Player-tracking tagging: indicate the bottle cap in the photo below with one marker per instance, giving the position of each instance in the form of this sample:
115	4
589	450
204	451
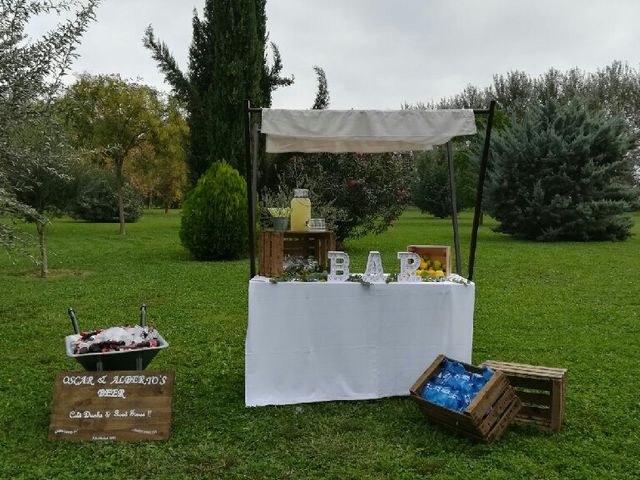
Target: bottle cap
300	192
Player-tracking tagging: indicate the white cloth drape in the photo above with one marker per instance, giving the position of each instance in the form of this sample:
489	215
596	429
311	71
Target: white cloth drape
311	342
366	131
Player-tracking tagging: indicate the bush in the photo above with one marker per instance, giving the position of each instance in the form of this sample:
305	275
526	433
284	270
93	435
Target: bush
96	198
430	187
562	173
356	193
214	215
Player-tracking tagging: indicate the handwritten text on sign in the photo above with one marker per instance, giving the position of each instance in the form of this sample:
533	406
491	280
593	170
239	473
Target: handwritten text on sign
122	405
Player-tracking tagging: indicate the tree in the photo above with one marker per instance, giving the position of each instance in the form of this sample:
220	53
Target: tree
430	187
357	193
159	170
562	173
44	185
227	67
322	96
112	117
614	89
95	197
214	218
31	72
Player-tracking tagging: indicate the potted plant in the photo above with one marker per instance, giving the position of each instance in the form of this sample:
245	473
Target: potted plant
277	205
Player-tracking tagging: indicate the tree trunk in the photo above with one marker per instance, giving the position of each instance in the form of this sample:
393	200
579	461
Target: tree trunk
44	266
119	182
166	209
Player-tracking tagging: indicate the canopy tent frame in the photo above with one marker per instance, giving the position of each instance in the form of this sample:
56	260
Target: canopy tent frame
252	143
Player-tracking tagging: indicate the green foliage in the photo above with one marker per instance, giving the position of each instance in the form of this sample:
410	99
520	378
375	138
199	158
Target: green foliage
214	215
114	119
614	89
111	115
430	187
31	74
227	67
158	168
239	57
356	193
561	173
322	95
45	184
96	198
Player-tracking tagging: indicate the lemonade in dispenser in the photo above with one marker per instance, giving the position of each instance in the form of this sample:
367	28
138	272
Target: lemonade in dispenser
300	210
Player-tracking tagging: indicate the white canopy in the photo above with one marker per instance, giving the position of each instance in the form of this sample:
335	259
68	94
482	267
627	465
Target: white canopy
367	131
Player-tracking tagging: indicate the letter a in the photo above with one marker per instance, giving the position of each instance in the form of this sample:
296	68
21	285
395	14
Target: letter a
374	272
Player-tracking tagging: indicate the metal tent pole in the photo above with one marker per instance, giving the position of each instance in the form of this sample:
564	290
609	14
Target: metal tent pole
484	160
255	158
454	209
250	192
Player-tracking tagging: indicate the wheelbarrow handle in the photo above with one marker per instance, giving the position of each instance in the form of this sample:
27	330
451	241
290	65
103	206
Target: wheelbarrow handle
143	314
74	320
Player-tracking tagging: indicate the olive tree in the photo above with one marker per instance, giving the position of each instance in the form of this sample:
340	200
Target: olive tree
31	73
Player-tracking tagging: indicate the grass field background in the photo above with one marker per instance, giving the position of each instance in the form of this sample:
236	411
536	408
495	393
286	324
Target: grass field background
572	305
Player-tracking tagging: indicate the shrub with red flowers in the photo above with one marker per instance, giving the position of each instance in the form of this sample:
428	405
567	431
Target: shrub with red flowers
356	193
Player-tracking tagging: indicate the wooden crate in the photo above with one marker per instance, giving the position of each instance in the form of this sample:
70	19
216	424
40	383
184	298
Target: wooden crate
274	246
542	391
487	416
442	253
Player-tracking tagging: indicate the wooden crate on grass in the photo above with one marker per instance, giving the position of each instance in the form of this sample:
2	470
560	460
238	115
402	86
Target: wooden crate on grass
442	253
542	391
487	416
274	246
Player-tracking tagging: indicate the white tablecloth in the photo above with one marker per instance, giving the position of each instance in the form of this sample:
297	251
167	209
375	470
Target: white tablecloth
310	342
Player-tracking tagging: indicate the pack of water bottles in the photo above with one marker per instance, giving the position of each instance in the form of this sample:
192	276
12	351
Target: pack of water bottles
454	387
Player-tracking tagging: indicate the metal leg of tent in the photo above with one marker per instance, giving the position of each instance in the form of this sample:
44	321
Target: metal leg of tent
252	177
454	210
250	193
484	160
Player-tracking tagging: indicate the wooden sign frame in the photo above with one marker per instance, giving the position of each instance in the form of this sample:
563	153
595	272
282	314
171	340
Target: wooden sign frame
118	405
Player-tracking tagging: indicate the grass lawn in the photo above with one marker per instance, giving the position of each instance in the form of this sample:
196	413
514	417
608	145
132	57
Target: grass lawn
569	305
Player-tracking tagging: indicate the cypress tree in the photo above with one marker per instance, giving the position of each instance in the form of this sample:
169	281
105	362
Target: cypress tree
322	95
227	67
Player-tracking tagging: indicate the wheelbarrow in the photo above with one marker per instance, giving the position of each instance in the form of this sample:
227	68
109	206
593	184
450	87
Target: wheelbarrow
137	359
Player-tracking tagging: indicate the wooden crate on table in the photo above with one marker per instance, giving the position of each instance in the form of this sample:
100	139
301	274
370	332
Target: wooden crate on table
274	246
542	391
487	416
442	253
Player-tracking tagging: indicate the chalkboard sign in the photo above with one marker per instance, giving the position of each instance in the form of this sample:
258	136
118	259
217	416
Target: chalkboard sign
117	405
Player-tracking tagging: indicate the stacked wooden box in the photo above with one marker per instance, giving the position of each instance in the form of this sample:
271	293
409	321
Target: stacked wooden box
487	416
441	253
274	246
542	391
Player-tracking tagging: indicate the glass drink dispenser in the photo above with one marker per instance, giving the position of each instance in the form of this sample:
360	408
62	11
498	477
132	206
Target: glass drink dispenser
300	210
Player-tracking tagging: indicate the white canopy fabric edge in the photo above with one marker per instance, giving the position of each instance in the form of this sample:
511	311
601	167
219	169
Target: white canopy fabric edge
366	131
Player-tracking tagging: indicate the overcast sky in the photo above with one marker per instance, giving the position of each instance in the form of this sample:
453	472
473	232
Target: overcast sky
381	53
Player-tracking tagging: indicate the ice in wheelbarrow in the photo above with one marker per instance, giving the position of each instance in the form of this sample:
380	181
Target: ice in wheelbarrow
115	339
